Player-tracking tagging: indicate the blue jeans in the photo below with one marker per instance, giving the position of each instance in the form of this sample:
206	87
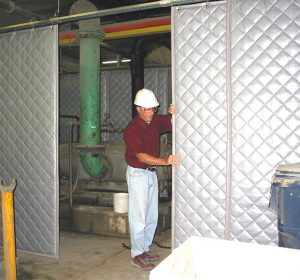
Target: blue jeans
142	209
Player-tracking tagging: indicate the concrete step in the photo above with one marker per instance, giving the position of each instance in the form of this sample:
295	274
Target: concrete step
103	220
99	220
88	197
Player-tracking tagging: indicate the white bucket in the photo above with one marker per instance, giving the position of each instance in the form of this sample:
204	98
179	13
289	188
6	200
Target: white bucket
120	201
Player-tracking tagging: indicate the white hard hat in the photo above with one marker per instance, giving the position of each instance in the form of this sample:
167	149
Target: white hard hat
146	98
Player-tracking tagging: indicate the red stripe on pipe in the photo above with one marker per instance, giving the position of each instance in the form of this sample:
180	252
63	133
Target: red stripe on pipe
136	25
130	26
68	35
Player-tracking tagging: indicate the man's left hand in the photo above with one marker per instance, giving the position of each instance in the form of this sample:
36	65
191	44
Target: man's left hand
172	109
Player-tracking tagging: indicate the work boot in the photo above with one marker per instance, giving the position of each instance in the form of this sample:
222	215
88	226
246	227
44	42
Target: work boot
151	257
141	262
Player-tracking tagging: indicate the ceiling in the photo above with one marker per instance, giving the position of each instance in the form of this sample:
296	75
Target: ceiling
157	47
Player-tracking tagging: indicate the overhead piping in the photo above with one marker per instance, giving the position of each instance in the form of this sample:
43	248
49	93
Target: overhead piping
136	24
115	31
122	27
138	32
97	14
124	34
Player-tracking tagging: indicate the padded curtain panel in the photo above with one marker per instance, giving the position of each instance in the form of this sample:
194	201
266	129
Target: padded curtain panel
29	134
263	129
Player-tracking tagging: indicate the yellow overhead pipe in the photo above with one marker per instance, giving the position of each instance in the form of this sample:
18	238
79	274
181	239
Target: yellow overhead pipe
124	34
8	230
138	32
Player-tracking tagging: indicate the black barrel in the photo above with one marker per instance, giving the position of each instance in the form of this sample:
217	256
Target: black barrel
286	190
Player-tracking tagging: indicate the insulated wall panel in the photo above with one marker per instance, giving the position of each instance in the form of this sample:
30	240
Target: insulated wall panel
265	109
69	105
157	79
118	97
29	134
258	78
200	127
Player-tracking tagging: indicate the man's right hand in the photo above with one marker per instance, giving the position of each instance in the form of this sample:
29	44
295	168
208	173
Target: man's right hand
173	160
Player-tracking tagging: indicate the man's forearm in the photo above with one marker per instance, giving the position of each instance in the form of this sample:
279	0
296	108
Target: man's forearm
151	160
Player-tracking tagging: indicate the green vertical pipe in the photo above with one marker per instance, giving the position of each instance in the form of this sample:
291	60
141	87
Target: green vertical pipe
90	100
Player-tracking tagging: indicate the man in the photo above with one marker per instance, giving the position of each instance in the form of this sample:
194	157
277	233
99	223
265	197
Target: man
142	140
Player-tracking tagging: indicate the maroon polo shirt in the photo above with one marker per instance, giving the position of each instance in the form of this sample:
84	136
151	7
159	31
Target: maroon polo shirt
140	137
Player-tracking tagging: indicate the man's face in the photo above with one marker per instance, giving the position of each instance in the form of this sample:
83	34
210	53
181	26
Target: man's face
146	114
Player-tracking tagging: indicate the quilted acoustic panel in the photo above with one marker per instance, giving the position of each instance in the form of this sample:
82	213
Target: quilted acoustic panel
266	117
69	105
118	89
200	127
265	97
29	134
157	79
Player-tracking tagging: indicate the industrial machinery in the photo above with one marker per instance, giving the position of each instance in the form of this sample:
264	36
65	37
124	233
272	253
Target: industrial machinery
114	177
86	202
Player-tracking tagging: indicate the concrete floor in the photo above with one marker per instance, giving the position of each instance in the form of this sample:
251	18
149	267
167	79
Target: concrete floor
88	257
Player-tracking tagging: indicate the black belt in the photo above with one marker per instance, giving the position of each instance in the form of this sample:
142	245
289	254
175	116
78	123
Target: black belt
152	169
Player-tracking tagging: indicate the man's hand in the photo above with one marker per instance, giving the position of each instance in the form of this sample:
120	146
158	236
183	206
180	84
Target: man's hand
173	160
172	109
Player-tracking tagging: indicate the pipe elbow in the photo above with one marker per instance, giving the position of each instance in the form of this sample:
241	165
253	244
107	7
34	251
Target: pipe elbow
93	164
